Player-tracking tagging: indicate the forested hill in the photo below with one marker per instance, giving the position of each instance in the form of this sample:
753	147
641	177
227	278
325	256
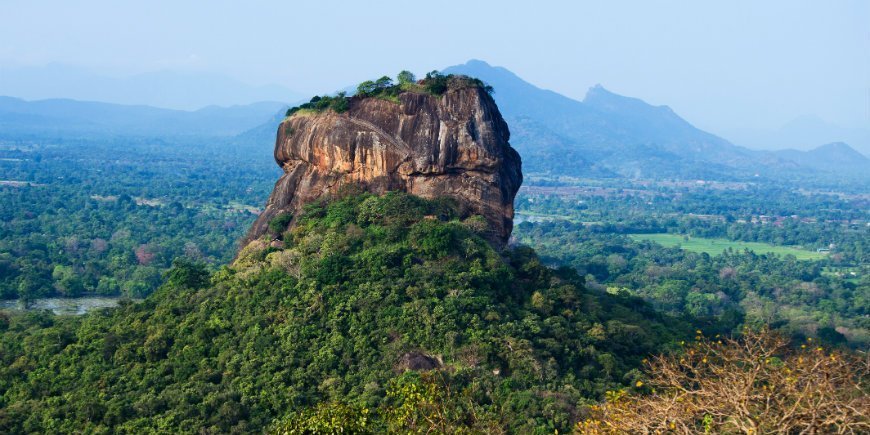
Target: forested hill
373	306
362	290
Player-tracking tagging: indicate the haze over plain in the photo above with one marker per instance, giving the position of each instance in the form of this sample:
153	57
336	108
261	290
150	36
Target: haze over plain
743	70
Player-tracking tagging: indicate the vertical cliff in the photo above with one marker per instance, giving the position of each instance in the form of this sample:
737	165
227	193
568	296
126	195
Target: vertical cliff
453	145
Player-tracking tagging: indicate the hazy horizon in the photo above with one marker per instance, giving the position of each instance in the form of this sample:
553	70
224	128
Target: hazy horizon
728	68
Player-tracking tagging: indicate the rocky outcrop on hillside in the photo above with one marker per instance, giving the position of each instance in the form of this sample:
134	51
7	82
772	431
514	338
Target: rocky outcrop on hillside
451	145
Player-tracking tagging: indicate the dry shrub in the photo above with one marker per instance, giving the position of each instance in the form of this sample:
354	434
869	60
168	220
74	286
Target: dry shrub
757	384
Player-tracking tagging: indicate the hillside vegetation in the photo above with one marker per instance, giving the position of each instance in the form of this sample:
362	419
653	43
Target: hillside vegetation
339	314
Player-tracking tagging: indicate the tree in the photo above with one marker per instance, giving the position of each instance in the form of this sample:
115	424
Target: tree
755	384
67	281
406	77
433	238
278	224
327	418
366	88
426	403
436	83
188	274
383	83
144	254
340	103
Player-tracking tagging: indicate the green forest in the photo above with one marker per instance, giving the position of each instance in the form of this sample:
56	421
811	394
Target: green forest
363	287
108	216
617	306
386	288
605	236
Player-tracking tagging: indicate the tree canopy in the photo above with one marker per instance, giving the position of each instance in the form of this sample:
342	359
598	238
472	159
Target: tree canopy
368	294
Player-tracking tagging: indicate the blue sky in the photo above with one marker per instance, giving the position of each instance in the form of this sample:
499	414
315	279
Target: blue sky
727	64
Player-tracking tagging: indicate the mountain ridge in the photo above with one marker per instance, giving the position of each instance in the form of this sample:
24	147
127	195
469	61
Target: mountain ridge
611	135
606	135
162	88
802	133
607	139
63	116
834	156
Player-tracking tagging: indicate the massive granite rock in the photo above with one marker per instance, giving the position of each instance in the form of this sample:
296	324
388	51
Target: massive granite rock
453	145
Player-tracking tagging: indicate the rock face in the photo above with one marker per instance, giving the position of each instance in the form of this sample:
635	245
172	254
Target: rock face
453	145
417	361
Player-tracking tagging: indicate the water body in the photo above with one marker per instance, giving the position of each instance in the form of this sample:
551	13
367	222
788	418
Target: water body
62	306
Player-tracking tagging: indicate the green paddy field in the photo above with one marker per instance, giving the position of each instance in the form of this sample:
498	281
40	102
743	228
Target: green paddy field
717	246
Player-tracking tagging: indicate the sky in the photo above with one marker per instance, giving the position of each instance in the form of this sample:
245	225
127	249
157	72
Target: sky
721	64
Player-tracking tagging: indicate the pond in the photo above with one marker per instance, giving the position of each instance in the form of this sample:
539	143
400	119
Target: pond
66	306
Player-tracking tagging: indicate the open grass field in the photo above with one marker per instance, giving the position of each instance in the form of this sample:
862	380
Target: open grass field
717	246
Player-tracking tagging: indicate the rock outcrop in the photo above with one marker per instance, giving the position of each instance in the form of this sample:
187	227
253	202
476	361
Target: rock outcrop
453	145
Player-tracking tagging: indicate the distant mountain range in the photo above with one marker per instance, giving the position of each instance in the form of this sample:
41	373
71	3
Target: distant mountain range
612	135
59	117
605	135
166	89
802	133
836	156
